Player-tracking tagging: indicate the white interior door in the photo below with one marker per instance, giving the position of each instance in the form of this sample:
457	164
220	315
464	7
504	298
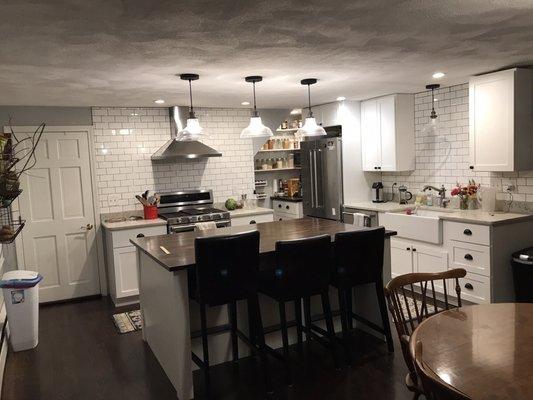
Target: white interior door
58	240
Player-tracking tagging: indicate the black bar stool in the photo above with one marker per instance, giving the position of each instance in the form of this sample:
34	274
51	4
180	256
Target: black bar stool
226	271
302	270
358	260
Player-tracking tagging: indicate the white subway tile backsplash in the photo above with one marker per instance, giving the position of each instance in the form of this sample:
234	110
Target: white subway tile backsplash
124	168
443	157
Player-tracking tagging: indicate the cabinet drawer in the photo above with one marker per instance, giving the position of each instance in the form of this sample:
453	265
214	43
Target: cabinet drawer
122	238
469	233
283	216
251	219
475	288
287	207
472	257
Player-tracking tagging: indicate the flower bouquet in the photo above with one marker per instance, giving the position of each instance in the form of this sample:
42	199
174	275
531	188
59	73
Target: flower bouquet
467	194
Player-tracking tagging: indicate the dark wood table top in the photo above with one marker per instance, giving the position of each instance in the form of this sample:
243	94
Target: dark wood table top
181	245
485	351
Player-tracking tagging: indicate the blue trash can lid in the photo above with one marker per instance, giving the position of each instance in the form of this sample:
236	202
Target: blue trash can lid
20	279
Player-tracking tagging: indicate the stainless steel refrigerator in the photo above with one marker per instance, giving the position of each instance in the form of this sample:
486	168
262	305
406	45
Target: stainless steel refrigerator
321	162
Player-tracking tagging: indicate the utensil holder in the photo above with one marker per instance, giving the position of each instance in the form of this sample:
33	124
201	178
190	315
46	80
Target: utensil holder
150	212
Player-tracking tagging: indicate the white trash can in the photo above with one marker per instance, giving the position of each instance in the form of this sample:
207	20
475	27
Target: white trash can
21	295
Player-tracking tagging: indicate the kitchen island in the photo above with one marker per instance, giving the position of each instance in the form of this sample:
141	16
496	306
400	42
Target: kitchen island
164	298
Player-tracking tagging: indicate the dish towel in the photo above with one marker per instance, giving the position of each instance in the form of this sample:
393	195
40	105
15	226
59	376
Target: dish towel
203	226
359	219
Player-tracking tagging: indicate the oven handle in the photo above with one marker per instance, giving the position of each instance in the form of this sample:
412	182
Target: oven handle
189	228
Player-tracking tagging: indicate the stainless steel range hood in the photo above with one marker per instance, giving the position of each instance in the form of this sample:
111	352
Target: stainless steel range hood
182	150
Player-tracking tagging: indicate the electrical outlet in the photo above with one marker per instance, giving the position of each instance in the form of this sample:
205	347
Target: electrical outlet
509	188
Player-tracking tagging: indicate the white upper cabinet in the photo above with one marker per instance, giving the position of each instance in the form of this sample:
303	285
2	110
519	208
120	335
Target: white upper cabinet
501	121
388	133
325	114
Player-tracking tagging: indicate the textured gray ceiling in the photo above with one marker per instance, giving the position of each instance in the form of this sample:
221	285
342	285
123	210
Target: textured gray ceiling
109	52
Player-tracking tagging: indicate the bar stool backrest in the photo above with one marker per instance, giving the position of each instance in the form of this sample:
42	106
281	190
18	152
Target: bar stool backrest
226	267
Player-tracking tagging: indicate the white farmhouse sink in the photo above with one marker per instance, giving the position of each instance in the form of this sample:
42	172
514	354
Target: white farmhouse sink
425	225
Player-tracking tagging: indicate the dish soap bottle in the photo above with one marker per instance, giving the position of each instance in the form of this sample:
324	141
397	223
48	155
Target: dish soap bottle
429	198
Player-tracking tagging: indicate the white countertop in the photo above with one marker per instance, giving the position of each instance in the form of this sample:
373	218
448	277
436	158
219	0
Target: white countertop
246	212
115	226
470	216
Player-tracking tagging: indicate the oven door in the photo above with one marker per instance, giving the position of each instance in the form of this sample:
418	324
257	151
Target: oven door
190	227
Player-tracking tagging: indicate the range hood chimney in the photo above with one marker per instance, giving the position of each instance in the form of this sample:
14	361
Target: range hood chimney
175	150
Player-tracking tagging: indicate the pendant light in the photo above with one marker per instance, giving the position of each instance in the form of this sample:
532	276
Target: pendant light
193	130
310	127
256	128
433	125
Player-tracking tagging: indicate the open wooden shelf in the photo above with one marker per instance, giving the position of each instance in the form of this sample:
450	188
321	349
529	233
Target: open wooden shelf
278	169
274	150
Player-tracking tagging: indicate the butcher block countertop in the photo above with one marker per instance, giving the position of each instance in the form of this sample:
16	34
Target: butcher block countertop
181	245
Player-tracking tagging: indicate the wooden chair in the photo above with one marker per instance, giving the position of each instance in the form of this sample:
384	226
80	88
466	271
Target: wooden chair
434	387
419	289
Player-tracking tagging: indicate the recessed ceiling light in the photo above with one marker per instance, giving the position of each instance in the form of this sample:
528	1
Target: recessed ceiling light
296	111
341	98
435	99
438	75
134	114
245	103
159	101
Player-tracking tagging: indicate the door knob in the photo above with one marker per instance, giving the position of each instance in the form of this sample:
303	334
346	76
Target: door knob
88	227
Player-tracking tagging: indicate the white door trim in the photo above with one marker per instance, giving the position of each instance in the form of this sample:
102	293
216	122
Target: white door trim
92	162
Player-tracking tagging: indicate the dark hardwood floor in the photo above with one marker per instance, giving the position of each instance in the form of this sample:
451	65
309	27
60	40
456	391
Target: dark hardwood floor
81	356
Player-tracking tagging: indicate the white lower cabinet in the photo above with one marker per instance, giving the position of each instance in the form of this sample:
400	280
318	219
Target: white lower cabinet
121	258
411	256
284	210
251	219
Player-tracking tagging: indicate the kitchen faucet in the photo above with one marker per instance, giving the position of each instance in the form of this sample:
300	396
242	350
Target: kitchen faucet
442	202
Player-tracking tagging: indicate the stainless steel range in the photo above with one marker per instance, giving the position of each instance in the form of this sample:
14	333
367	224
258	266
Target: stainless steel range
183	209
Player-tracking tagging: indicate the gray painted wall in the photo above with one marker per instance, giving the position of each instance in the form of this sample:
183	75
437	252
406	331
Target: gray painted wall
22	115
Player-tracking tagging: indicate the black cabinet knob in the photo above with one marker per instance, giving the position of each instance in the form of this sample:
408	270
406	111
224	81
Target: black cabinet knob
469	286
281	219
467	232
375	167
287	207
140	235
279	205
252	222
471	167
469	257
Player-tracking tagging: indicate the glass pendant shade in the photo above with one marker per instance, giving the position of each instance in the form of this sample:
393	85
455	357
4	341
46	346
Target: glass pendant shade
310	128
256	129
192	131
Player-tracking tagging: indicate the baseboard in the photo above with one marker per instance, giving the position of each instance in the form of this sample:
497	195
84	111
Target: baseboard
3	344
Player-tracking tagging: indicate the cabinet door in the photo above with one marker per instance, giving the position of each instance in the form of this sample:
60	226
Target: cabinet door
126	278
330	114
251	219
401	257
429	259
491	121
370	135
387	125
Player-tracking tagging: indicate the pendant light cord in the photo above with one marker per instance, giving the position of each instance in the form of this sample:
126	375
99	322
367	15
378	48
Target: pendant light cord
309	100
255	113
191	111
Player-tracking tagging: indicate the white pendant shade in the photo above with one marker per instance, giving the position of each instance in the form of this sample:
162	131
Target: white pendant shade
256	129
310	128
192	131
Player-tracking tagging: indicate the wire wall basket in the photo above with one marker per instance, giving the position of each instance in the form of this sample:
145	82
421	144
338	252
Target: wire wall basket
9	227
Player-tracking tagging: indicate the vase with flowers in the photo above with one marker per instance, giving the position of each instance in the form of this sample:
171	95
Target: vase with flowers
467	194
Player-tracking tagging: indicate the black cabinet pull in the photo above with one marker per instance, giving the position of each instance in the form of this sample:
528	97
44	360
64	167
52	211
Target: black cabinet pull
140	235
253	222
375	167
287	207
471	167
469	286
279	205
467	232
281	219
408	248
469	257
414	249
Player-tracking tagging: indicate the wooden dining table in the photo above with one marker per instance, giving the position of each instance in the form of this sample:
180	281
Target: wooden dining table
485	351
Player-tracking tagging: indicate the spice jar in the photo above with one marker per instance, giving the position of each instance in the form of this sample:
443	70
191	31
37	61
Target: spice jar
286	143
290	162
270	144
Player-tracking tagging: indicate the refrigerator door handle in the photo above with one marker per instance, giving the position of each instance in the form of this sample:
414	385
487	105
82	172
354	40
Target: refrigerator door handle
315	183
311	178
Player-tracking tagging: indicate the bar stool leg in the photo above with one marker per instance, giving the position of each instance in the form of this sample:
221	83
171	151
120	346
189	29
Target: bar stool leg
344	324
205	345
298	318
384	315
326	307
307	317
285	339
256	323
232	313
349	307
